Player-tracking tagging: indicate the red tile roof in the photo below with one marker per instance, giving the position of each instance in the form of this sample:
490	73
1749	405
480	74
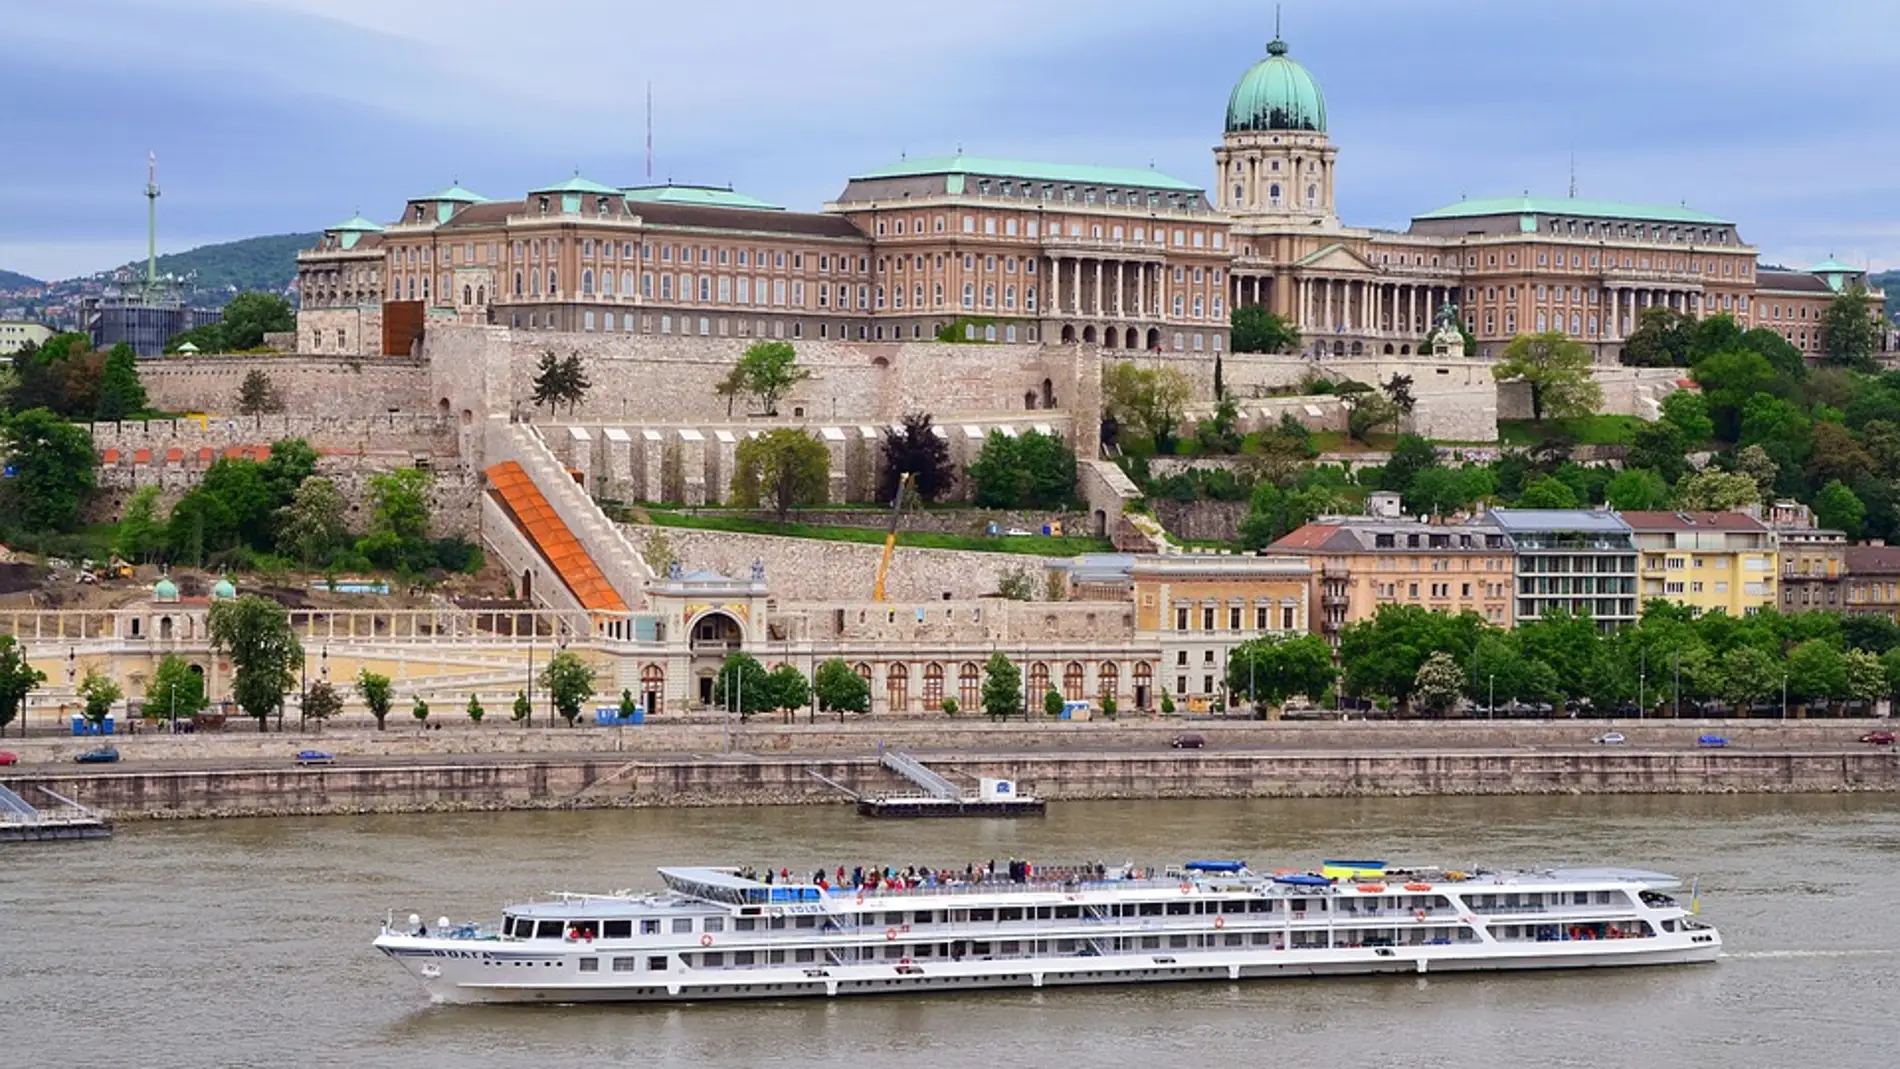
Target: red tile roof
1692	521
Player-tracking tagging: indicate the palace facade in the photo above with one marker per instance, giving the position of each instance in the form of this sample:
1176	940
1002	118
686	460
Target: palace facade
1006	250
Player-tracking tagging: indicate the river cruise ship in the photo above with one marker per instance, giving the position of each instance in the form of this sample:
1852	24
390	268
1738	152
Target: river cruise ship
719	933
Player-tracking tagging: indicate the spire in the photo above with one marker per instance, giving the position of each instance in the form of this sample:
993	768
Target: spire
1276	47
1573	175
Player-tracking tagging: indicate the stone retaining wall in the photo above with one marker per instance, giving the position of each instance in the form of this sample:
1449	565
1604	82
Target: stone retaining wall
308	385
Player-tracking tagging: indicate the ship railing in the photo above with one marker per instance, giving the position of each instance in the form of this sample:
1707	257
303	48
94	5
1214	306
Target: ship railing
991	887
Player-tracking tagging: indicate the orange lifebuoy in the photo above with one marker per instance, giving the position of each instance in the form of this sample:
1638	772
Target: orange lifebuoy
1418	886
890	933
860	898
1419	914
705	940
1187	888
1220	922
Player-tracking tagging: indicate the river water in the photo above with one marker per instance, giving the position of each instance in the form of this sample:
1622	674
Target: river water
246	943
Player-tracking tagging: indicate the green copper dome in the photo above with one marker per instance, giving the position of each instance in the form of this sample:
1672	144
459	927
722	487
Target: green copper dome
1277	94
165	589
224	591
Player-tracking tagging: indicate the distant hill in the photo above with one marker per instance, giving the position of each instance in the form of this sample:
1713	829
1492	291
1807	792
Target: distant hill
1888	282
264	263
11	280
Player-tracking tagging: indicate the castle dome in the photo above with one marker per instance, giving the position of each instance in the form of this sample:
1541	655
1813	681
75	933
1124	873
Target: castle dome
225	590
1276	94
164	589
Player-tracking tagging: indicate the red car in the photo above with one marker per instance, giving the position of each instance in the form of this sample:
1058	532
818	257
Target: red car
8	757
1878	738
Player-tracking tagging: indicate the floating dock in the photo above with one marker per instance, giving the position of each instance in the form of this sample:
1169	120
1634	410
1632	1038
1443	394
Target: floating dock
942	798
22	822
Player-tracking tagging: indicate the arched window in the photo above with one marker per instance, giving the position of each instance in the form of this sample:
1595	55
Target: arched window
517	283
607	283
554	287
481	295
587	281
534	283
467	295
1038	684
1109	676
653	687
1072	681
897	687
970	686
1273	194
933	686
1312	195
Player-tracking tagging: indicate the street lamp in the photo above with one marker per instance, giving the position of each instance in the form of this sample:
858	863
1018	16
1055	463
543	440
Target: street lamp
1491	699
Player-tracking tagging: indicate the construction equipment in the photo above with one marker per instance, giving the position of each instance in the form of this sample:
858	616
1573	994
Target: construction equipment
890	540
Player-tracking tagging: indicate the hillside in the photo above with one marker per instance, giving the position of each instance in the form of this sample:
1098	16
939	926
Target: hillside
263	263
11	280
1888	282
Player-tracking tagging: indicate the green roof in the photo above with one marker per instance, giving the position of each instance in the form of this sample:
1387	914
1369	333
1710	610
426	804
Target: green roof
356	224
1276	94
701	196
1649	213
990	167
1831	266
577	184
454	193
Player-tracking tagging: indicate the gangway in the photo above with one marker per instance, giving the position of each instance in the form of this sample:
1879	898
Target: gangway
917	772
942	798
20	821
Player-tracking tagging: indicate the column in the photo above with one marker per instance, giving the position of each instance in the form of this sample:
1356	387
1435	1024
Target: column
1075	287
1100	310
1141	290
1121	289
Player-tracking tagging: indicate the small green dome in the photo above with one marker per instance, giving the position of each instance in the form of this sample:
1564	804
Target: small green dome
224	591
165	589
1277	94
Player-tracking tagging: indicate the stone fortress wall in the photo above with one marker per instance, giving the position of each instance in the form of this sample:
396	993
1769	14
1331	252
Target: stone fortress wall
335	387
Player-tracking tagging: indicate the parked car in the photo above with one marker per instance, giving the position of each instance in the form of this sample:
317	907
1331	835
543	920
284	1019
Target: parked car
1711	740
104	755
8	757
1875	738
1187	741
1613	738
315	757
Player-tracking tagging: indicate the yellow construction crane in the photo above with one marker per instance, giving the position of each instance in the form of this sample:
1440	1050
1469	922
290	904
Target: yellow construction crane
890	540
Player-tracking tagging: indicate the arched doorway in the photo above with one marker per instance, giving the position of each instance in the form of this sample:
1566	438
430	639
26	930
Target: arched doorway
1154	339
897	687
1048	394
1388	348
1088	335
527	586
1072	677
711	638
1029	400
1109	678
970	687
1068	335
652	689
1111	338
933	687
1038	684
1101	523
1144	685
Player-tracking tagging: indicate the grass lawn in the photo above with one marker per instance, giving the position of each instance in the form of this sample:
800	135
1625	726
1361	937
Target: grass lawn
1337	442
1588	430
1035	545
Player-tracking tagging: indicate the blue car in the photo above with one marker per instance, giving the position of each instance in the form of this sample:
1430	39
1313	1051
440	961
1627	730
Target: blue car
1711	740
104	755
315	757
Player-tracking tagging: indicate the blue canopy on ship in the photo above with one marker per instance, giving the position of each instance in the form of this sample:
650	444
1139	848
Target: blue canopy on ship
1216	866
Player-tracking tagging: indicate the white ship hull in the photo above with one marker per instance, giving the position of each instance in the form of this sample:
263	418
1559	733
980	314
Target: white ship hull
464	980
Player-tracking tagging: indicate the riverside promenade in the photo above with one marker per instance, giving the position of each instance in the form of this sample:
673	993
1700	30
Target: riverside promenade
491	767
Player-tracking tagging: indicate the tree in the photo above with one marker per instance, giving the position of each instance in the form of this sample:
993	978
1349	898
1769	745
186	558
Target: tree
1815	672
1220	435
420	710
1728	380
1382	655
786	688
200	524
742	684
291	461
1747	675
1016	583
1109	708
255	632
1556	369
1438	683
17	679
1754	462
560	380
97	692
257	394
1835	456
785	467
120	391
569	682
251	315
1663	338
522	711
1850	333
175	690
950	706
399	520
1716	491
1875	634
52	463
1398	390
1147	400
1273	512
1864	680
140	535
1689	410
1267	671
1548	492
918	450
311	527
1411	454
1437	491
1637	490
322	703
1836	507
1002	688
1661	448
841	690
378	693
1052	703
1366	412
1033	471
767	372
1253	329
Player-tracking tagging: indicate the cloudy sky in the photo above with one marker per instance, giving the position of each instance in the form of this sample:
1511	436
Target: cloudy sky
277	115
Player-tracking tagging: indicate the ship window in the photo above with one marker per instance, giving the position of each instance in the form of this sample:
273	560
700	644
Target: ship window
1151	909
1151	942
548	930
617	929
1042	913
1177	942
990	915
649	927
1178	909
1009	914
893	918
1068	912
682	925
742	957
922	916
626	964
804	957
1259	905
656	963
804	921
590	964
745	924
714	958
713	924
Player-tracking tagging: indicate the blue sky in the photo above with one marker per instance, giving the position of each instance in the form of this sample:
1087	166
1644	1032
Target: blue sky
279	115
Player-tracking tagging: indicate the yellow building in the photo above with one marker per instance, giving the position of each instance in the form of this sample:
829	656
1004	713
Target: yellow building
1709	560
1199	607
16	333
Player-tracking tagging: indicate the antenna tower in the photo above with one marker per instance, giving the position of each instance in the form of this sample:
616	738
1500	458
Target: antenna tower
151	226
649	131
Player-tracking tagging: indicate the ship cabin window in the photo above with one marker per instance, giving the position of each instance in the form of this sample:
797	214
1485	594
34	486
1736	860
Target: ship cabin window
713	924
924	916
982	915
649	927
742	957
656	963
714	959
616	929
1009	914
1178	909
549	930
508	925
590	964
626	964
744	924
805	921
893	918
775	923
805	956
1042	913
682	925
1068	913
1259	905
1151	909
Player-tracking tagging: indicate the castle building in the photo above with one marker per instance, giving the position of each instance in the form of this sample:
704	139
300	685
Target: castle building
1007	250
